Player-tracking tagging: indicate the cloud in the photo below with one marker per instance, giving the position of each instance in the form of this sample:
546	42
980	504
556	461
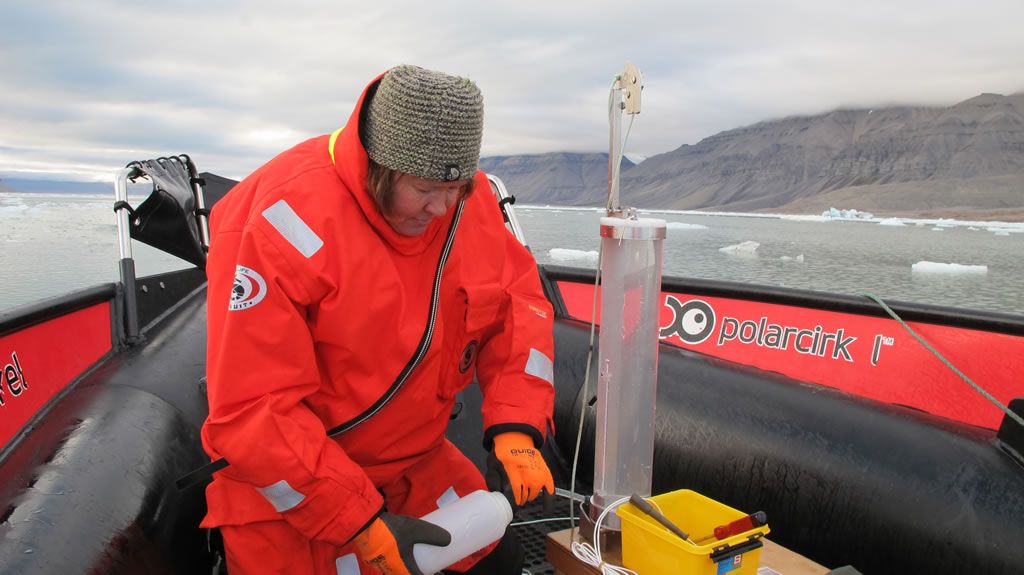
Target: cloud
233	83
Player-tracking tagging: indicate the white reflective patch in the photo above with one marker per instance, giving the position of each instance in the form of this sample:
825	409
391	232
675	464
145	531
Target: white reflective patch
540	366
449	496
347	564
290	225
248	289
281	496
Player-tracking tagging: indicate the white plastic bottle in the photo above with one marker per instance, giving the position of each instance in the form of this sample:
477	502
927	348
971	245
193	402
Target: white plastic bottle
475	521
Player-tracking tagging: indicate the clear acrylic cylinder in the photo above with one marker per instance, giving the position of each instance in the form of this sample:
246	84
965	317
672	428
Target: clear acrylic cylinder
627	359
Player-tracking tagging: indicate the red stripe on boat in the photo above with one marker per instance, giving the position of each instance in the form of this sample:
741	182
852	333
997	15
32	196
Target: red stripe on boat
867	356
39	361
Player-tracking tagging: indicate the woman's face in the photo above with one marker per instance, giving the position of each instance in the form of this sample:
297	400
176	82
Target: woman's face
415	202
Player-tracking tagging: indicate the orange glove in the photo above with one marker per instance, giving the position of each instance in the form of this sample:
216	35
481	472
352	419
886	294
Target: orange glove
387	542
516	464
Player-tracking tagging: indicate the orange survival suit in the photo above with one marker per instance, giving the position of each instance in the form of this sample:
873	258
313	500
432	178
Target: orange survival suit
315	306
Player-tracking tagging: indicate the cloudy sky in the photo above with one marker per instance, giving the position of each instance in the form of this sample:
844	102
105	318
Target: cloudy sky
89	85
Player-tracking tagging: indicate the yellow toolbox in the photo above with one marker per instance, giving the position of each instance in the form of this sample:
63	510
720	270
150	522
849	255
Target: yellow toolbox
650	549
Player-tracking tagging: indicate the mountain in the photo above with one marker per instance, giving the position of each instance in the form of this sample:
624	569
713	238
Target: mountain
560	178
55	186
969	156
966	158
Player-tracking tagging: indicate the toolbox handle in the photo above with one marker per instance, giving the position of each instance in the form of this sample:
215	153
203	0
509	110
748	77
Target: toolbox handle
753	542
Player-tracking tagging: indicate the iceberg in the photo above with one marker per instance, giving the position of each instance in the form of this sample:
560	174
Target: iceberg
13	210
1005	230
747	248
891	222
684	226
943	268
799	258
850	214
566	255
804	218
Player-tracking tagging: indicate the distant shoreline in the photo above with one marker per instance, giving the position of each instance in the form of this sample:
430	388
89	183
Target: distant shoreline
1012	215
962	216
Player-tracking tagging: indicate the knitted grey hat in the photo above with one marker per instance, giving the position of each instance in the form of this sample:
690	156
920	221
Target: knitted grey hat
426	123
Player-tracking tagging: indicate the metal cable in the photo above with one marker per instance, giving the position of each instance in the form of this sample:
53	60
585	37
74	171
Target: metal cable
945	361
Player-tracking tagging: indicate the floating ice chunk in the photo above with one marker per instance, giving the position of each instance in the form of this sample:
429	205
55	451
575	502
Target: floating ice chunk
938	229
972	228
684	226
799	258
747	248
14	210
1005	230
566	255
804	218
941	268
850	214
891	222
1002	233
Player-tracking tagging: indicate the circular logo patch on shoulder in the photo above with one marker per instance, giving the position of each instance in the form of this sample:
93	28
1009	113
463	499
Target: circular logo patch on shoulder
248	290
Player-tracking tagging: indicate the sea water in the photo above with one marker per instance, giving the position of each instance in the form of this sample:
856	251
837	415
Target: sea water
51	244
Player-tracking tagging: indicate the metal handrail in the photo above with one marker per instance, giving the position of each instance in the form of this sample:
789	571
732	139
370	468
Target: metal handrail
197	191
505	201
124	211
126	264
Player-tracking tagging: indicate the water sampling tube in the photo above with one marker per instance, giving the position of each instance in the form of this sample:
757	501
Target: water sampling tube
627	359
631	249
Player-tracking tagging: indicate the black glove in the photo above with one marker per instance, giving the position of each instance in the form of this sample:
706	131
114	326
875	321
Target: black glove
387	542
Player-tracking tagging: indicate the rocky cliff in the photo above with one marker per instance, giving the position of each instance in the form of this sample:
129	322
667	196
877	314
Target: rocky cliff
560	178
964	158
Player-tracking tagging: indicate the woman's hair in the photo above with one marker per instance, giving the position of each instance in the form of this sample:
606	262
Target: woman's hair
380	179
378	182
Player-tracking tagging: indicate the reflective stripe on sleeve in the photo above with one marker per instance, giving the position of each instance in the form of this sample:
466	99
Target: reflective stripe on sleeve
290	225
281	496
449	496
347	564
539	365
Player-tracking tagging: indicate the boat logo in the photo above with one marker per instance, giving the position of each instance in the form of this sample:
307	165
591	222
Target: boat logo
693	321
468	355
248	290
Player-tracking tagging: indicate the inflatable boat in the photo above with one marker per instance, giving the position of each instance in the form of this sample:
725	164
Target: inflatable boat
846	419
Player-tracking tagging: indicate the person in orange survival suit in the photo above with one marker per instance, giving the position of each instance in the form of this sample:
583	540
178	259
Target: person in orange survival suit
357	281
